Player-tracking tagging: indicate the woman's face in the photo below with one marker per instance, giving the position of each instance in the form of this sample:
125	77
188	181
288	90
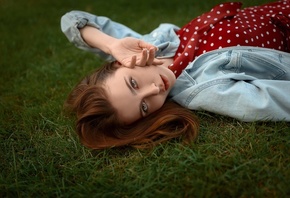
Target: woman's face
137	92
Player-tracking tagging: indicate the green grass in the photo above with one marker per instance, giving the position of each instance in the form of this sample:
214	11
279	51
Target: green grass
40	155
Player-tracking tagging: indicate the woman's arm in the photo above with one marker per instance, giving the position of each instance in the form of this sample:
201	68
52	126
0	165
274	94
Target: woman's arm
128	51
107	38
247	83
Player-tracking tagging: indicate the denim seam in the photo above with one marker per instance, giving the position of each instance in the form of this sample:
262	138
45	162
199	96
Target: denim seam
203	87
267	62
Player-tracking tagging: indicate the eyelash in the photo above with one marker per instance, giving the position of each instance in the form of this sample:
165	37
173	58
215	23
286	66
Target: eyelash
144	107
134	84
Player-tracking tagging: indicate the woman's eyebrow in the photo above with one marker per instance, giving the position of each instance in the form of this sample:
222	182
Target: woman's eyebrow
133	91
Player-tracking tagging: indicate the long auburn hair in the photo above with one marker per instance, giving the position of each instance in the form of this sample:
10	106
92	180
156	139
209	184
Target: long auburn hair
98	126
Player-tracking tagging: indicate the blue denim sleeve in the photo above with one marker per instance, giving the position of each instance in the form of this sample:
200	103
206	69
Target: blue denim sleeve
163	37
72	21
247	83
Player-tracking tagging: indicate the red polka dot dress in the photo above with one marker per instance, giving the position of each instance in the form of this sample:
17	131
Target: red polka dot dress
227	25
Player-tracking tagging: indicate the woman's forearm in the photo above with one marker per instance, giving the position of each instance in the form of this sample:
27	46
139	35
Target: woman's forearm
97	39
128	51
112	41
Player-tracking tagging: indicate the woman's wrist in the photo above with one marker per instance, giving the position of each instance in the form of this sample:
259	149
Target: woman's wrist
97	39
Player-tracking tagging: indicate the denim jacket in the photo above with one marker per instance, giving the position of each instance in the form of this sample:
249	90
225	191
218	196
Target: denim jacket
246	83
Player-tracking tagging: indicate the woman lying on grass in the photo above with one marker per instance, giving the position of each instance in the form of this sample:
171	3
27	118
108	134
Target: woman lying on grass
144	95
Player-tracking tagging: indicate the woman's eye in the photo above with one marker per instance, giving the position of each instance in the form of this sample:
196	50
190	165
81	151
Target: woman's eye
134	83
144	107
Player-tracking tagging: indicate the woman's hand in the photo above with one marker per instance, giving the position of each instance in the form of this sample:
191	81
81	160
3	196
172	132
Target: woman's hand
132	52
128	51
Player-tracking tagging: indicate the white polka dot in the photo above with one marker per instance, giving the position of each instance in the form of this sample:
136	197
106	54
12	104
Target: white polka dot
220	38
185	54
212	44
185	38
189	46
228	41
237	35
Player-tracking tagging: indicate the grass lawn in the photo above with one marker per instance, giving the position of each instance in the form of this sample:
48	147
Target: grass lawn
40	155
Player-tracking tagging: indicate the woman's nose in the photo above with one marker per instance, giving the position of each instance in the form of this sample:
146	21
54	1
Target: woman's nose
150	90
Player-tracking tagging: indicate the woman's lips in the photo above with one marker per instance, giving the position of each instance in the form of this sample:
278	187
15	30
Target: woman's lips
165	82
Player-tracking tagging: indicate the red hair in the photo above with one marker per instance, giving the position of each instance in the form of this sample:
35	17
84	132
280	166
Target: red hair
98	126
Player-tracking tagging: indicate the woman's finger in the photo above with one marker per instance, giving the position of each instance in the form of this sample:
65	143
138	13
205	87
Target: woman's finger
133	62
144	57
151	56
157	62
147	46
